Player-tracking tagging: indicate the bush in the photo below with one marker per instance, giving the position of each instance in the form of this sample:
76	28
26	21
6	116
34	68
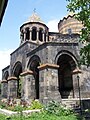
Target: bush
56	108
35	104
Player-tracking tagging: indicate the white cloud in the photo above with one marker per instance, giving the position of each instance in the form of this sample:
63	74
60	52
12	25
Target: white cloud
4	60
53	25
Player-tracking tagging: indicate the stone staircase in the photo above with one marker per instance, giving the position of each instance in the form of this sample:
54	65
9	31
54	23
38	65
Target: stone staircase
72	104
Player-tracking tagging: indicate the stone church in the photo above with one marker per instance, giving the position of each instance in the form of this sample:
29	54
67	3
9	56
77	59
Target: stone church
45	65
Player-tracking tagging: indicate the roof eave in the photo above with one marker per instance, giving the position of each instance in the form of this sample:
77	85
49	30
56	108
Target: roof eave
2	9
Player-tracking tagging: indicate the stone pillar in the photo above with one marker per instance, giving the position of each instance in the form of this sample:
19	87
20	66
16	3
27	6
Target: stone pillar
28	85
24	35
43	37
48	77
46	37
4	88
12	87
37	35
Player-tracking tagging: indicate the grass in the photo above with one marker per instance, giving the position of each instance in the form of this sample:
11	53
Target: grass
40	116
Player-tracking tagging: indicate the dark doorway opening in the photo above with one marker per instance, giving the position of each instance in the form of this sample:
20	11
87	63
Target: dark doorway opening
17	72
34	34
65	79
34	67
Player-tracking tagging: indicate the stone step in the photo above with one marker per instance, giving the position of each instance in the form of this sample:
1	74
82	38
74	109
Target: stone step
70	103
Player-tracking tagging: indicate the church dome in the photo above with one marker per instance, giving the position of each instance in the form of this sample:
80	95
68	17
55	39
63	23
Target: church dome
34	18
34	30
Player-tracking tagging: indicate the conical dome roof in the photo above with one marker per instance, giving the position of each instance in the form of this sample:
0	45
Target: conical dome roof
34	18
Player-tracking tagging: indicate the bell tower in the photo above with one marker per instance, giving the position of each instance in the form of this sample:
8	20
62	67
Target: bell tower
34	30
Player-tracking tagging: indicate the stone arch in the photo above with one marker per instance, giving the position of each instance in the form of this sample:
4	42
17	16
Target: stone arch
6	75
34	33
67	53
67	63
33	64
41	34
17	70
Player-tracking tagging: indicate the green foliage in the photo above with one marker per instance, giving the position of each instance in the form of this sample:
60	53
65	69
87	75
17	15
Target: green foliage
18	108
41	116
35	104
3	105
82	9
8	118
52	111
56	108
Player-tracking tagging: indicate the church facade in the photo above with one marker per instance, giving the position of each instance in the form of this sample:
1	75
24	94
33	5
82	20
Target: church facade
45	65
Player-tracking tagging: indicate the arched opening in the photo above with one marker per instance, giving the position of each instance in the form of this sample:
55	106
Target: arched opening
34	63
40	35
6	75
34	33
27	34
65	79
17	70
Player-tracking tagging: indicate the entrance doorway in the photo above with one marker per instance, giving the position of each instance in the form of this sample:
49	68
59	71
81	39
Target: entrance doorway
34	63
65	79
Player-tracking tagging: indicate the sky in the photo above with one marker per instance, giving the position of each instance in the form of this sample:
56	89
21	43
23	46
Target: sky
17	12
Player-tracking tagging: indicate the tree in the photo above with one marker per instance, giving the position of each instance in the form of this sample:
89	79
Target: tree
82	10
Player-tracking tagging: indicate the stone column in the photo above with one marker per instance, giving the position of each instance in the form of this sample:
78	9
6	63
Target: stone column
28	85
37	39
4	88
46	37
12	87
48	77
24	35
43	36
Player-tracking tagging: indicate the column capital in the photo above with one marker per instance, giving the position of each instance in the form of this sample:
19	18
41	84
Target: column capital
4	81
43	31
24	31
47	65
27	72
30	30
11	78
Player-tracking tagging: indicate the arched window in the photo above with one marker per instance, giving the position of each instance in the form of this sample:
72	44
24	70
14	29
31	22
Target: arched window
34	33
27	34
40	34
